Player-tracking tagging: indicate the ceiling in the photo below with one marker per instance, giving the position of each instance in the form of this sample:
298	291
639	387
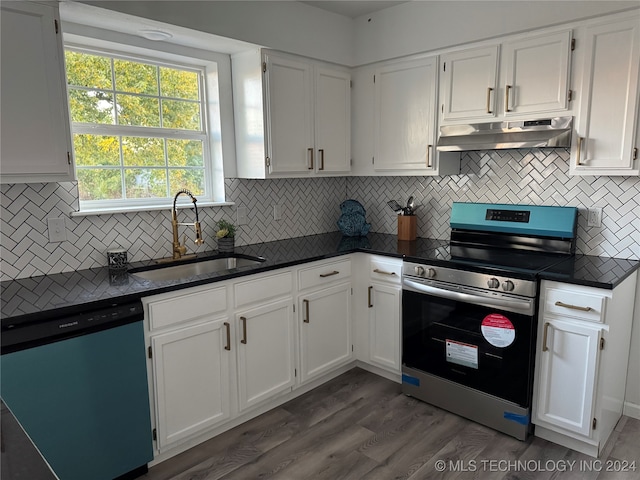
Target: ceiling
354	8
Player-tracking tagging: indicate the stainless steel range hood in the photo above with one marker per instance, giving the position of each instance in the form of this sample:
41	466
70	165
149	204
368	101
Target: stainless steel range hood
543	133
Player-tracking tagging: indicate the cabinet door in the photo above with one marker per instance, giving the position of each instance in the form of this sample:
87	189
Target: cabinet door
265	351
567	375
469	88
536	74
36	139
404	129
384	326
604	140
192	380
289	104
325	330
332	121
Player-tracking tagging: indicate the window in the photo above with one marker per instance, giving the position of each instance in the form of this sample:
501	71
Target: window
139	129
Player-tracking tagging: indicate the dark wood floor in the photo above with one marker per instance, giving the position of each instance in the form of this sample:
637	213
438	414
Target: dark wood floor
360	426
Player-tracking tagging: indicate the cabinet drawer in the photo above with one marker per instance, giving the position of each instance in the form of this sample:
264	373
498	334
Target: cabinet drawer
263	288
323	274
580	305
183	308
385	271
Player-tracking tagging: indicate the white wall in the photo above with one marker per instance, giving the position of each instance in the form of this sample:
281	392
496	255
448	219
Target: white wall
282	25
422	26
408	28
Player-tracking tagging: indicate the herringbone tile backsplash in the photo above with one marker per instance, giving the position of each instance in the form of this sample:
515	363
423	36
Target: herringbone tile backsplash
311	206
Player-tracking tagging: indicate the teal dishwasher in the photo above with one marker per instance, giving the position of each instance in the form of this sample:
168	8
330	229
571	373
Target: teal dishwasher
78	386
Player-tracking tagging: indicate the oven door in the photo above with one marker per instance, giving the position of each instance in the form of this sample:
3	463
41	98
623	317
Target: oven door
483	340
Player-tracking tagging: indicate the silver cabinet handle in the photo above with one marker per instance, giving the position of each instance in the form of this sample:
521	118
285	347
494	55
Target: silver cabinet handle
306	310
382	272
310	150
228	327
544	337
506	98
321	152
578	151
370	304
573	307
325	275
489	90
244	330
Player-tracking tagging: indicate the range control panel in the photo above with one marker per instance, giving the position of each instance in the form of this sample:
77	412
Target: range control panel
508	215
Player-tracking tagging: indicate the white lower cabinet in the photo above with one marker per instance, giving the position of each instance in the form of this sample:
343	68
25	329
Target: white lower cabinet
324	317
191	373
325	332
190	362
581	363
568	374
383	302
265	352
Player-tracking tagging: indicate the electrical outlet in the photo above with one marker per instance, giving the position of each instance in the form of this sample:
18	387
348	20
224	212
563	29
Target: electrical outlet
594	218
57	230
241	215
277	212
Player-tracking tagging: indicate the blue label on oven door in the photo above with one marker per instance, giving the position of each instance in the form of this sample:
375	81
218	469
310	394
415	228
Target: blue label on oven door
518	418
409	380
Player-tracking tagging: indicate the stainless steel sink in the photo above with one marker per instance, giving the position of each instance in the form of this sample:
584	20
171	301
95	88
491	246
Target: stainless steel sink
186	270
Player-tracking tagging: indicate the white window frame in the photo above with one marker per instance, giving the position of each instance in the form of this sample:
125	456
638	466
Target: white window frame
218	113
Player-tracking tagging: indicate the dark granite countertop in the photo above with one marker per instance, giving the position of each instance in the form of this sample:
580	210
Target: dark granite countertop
38	298
591	271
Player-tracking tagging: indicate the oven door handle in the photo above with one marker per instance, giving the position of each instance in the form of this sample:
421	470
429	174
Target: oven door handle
466	297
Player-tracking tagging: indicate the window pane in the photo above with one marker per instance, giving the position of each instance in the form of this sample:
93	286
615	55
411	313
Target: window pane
96	150
136	77
86	70
183	115
91	106
191	179
145	182
178	83
184	153
143	152
99	184
140	111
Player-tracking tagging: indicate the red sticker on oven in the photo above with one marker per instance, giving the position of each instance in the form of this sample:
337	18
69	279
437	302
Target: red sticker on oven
498	330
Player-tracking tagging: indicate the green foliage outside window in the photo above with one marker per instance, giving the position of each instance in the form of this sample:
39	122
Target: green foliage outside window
161	109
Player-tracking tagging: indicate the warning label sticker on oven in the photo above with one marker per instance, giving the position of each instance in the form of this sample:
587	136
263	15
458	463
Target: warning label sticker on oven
462	353
498	330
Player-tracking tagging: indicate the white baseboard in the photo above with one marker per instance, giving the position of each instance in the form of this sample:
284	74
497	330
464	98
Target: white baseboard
631	410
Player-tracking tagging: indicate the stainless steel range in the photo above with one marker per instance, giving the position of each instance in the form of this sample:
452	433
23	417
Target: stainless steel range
469	318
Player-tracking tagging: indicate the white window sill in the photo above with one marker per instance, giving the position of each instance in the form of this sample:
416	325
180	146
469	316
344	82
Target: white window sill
142	208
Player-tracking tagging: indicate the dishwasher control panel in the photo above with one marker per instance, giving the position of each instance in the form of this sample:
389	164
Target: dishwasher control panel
22	334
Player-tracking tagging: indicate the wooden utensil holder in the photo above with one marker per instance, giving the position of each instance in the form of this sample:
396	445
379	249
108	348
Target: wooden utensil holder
407	227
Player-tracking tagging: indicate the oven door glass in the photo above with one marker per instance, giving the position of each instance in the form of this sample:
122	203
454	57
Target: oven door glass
481	347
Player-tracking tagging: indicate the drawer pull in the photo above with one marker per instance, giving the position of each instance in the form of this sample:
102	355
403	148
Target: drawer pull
489	90
244	330
228	327
382	272
544	337
306	311
573	307
370	304
325	275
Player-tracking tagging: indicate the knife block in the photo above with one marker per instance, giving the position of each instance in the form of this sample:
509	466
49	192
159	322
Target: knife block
407	227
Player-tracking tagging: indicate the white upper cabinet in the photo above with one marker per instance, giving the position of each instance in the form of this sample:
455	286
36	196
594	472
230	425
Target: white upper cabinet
469	84
395	120
606	140
521	77
535	74
292	116
36	138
